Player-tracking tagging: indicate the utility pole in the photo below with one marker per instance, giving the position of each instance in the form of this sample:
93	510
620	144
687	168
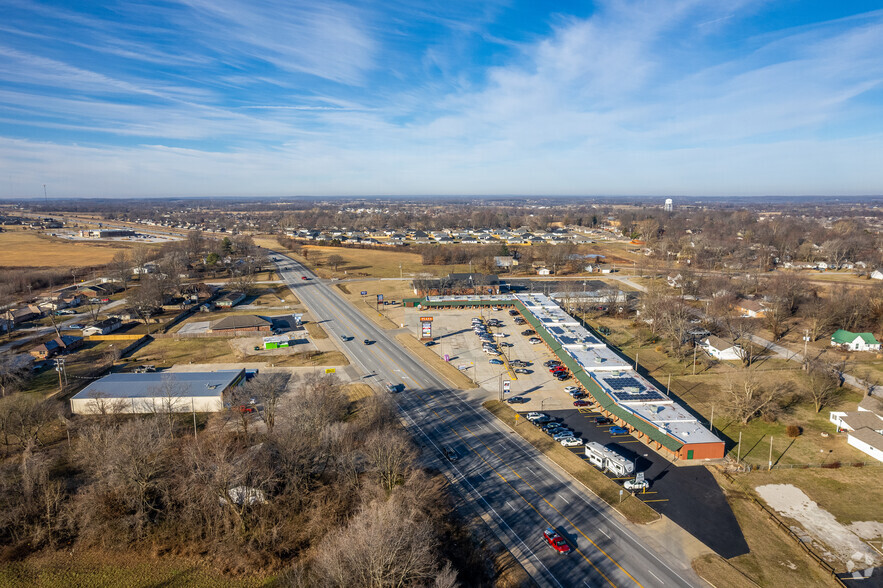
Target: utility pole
694	357
771	454
59	367
739	449
636	361
668	388
805	343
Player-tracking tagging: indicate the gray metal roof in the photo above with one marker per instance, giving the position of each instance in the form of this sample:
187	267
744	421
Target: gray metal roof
182	384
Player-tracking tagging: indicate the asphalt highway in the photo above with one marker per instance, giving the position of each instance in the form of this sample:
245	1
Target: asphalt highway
499	474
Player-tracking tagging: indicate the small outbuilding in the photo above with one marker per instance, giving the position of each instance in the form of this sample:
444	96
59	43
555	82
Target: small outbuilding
722	349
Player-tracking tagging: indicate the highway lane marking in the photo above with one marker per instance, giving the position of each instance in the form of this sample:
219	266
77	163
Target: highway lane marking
460	476
655	576
564	499
561	514
603	531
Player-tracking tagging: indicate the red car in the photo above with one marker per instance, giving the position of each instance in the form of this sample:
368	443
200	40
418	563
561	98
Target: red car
556	541
582	403
557	368
304	278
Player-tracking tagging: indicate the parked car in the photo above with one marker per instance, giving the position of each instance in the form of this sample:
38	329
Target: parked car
513	312
619	431
75	326
556	541
582	403
517	400
579	396
549	427
504	344
635	485
535	415
523	371
429	344
602	421
528	332
551	362
571	389
562	376
304	278
245	408
571	442
495	361
534	341
562	433
557	368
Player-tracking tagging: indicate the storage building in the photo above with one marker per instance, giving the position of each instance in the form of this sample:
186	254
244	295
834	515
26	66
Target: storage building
157	392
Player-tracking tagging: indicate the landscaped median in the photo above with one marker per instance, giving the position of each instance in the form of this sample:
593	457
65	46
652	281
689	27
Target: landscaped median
454	377
608	490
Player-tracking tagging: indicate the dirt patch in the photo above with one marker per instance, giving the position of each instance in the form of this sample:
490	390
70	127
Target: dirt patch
315	330
820	525
32	249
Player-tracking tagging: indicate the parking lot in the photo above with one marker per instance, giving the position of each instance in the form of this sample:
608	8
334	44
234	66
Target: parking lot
688	495
453	335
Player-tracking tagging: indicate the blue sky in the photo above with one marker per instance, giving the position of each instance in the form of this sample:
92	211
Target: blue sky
288	97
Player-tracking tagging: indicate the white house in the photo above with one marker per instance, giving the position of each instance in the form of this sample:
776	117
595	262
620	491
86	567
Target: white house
854	341
721	348
104	327
543	271
864	427
877	274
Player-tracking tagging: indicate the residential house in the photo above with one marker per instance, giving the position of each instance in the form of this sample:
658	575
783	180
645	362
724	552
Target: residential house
56	346
722	349
877	274
22	314
230	325
506	261
863	427
104	327
543	271
750	308
854	341
230	299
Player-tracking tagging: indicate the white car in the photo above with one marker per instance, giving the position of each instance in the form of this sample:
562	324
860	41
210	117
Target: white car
571	442
571	389
535	415
500	335
534	341
634	485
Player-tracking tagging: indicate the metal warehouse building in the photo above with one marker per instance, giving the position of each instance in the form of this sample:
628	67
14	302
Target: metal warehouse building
157	392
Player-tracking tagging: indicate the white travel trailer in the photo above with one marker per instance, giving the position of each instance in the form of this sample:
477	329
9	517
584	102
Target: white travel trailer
606	459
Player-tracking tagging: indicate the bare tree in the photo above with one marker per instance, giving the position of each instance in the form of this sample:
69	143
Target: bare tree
121	269
334	261
168	400
747	398
741	330
268	388
382	546
391	454
820	317
14	372
821	384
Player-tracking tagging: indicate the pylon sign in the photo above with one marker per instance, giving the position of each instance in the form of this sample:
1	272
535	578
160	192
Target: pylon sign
426	327
507	386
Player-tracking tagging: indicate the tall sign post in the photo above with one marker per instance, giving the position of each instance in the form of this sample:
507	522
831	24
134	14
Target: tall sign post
426	328
379	300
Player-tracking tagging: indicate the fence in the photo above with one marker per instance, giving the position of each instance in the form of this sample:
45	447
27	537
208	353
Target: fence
775	519
122	337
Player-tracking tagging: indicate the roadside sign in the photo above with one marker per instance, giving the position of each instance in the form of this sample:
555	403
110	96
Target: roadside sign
364	292
329	370
447	357
425	319
639	477
379	298
507	386
462	367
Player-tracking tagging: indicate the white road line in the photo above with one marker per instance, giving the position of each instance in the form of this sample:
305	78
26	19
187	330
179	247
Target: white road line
603	531
564	499
657	579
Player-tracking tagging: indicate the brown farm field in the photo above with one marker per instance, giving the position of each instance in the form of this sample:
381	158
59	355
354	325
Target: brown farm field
31	249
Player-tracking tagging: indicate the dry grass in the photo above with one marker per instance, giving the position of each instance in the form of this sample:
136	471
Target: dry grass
388	317
775	560
720	573
61	570
452	375
315	330
31	249
168	352
358	391
374	263
606	489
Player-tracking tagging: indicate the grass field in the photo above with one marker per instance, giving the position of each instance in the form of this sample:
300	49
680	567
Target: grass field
606	489
61	570
31	249
774	560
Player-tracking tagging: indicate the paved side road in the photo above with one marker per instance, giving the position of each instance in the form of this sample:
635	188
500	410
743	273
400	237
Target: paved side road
505	479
